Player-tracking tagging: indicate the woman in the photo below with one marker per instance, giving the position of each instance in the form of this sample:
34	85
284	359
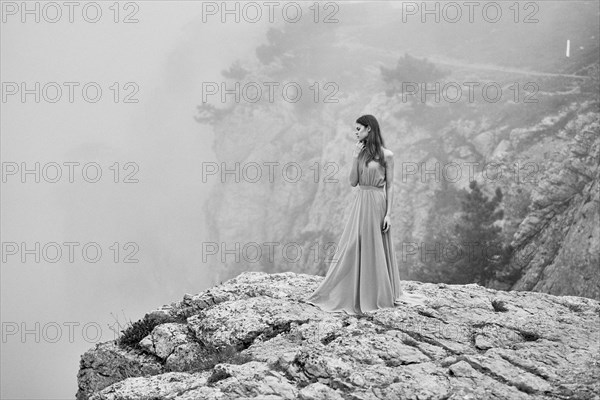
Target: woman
364	273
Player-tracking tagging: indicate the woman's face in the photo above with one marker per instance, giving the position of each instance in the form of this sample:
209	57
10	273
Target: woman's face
361	131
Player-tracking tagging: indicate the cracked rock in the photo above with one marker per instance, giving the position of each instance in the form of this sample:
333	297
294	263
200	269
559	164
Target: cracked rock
268	346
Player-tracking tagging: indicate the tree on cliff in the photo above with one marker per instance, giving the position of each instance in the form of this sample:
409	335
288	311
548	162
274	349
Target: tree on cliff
410	70
483	250
434	265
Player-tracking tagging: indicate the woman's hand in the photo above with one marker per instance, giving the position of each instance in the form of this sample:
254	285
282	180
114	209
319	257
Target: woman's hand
358	148
386	223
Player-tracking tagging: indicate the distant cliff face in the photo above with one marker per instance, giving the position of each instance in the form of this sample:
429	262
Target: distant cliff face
558	243
253	337
293	221
553	161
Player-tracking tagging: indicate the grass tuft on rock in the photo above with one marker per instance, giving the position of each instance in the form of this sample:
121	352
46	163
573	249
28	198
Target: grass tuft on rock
499	305
134	333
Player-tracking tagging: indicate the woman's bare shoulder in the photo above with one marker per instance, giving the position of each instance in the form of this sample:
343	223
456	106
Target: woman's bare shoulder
387	153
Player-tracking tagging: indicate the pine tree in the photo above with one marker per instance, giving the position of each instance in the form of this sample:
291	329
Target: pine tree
439	236
480	239
410	69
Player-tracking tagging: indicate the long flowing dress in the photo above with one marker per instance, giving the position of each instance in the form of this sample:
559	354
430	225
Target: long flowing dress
363	275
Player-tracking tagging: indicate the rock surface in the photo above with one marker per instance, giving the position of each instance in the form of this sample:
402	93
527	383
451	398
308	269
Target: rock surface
558	243
466	342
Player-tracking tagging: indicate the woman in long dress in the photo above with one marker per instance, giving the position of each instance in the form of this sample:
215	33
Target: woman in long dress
363	275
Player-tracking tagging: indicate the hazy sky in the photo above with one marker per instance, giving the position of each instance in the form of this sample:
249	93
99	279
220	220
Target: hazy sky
165	55
159	63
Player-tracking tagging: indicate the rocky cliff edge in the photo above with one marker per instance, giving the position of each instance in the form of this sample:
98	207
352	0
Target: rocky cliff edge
254	337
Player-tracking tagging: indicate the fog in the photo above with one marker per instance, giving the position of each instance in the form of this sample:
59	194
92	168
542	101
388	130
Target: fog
144	212
166	54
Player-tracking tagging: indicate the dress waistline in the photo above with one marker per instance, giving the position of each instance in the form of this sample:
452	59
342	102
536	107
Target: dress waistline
365	187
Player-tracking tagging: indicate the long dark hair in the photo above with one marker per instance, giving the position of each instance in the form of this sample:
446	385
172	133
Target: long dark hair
373	142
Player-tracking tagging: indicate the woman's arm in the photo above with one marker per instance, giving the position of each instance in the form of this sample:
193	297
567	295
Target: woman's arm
389	183
354	172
